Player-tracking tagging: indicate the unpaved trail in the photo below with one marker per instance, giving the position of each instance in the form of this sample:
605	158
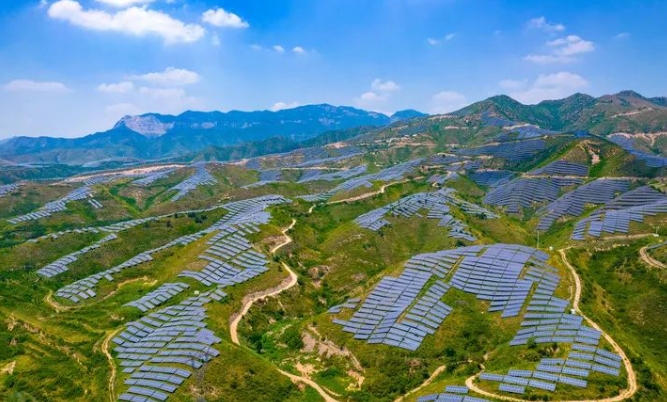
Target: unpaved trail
368	195
643	253
424	384
632	377
313	384
112	365
48	299
250	299
287	240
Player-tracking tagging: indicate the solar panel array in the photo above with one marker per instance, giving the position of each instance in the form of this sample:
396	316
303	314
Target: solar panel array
441	179
572	370
94	203
380	318
561	168
243	216
304	157
161	349
453	393
627	144
341	155
158	296
545	321
438	206
8	189
153	177
121	226
599	191
320	174
495	121
201	177
59	266
230	258
616	215
526	192
267	177
523	132
511	151
393	313
56	235
653	247
395	172
444	160
491	178
350	304
80	193
83	289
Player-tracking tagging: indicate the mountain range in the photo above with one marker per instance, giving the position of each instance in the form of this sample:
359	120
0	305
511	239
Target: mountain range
154	137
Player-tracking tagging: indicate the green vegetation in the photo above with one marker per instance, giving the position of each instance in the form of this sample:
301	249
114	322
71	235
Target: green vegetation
51	349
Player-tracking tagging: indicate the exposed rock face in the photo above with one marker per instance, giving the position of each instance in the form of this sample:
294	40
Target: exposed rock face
147	125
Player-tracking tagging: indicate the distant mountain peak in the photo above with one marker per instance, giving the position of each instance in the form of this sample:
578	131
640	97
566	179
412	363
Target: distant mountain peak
629	94
407	114
147	125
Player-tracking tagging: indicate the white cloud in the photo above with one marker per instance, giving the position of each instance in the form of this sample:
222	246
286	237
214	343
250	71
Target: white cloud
123	3
119	110
278	48
167	100
283	105
546	86
224	19
380	93
563	50
447	101
137	21
256	47
437	41
513	85
371	100
35	86
622	35
298	50
117	88
170	76
42	4
571	45
384	86
542	24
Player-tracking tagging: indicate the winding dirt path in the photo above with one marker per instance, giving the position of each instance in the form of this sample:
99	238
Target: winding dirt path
313	384
576	297
424	384
287	240
112	365
368	195
250	299
48	299
643	253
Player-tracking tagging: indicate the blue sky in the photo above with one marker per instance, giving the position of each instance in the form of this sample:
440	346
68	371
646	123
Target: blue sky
73	67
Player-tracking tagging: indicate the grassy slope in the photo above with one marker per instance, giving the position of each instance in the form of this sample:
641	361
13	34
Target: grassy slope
629	299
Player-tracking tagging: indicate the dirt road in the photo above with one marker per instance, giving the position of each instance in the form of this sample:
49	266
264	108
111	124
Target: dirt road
576	297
